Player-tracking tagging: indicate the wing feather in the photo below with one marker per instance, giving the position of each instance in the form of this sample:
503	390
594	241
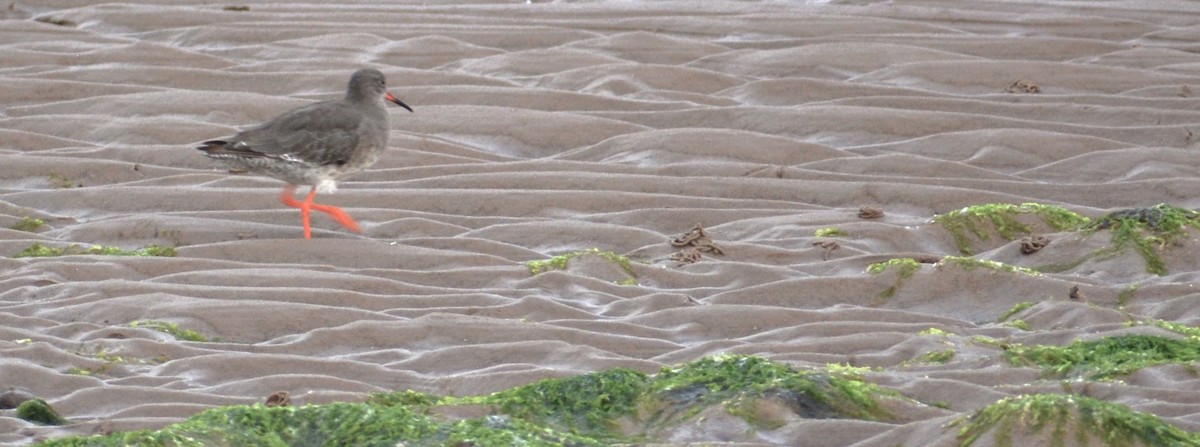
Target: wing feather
322	133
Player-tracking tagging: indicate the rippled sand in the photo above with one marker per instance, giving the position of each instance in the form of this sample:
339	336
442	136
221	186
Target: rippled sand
542	129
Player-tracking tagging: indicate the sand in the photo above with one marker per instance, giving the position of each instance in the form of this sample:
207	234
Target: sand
546	128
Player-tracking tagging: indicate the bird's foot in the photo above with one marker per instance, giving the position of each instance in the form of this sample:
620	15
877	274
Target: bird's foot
307	205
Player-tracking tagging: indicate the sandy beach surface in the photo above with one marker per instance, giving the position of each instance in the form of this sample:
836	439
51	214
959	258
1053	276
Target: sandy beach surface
547	129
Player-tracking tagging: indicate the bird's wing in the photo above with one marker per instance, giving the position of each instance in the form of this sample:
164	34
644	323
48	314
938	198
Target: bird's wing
321	133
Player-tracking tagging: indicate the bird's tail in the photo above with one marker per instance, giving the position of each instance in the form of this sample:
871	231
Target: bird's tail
219	149
213	147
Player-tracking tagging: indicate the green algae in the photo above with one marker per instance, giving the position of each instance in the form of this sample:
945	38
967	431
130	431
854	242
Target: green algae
587	403
1107	357
984	340
60	181
560	263
602	408
28	224
968	264
1127	294
717	378
335	424
597	404
1191	332
1017	308
499	430
1114	425
935	332
1146	231
846	371
407	398
936	357
905	268
110	360
39	412
1019	324
830	232
37	250
982	221
171	329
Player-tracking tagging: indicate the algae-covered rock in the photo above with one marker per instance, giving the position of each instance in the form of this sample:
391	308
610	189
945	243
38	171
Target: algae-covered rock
815	394
622	403
1106	357
1056	419
1006	221
1148	231
588	403
336	424
39	412
602	408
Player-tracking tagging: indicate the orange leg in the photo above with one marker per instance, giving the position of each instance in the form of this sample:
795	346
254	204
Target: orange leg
334	212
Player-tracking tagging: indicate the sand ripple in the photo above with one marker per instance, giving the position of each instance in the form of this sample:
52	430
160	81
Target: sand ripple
543	129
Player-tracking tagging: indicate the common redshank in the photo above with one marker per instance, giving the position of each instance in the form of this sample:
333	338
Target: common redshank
315	145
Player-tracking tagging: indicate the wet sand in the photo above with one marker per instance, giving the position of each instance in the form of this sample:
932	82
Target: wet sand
547	128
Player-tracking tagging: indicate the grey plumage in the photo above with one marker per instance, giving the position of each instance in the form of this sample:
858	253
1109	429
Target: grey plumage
316	144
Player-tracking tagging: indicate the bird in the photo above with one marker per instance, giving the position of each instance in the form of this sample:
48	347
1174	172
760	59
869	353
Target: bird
316	144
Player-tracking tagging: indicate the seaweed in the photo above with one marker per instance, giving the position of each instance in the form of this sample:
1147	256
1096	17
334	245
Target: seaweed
1017	308
57	180
905	268
339	423
967	263
110	361
1191	332
1106	357
1113	424
587	403
171	329
39	412
560	263
830	232
1001	218
1127	294
1147	231
934	332
807	393
1019	324
938	357
37	250
28	224
588	410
